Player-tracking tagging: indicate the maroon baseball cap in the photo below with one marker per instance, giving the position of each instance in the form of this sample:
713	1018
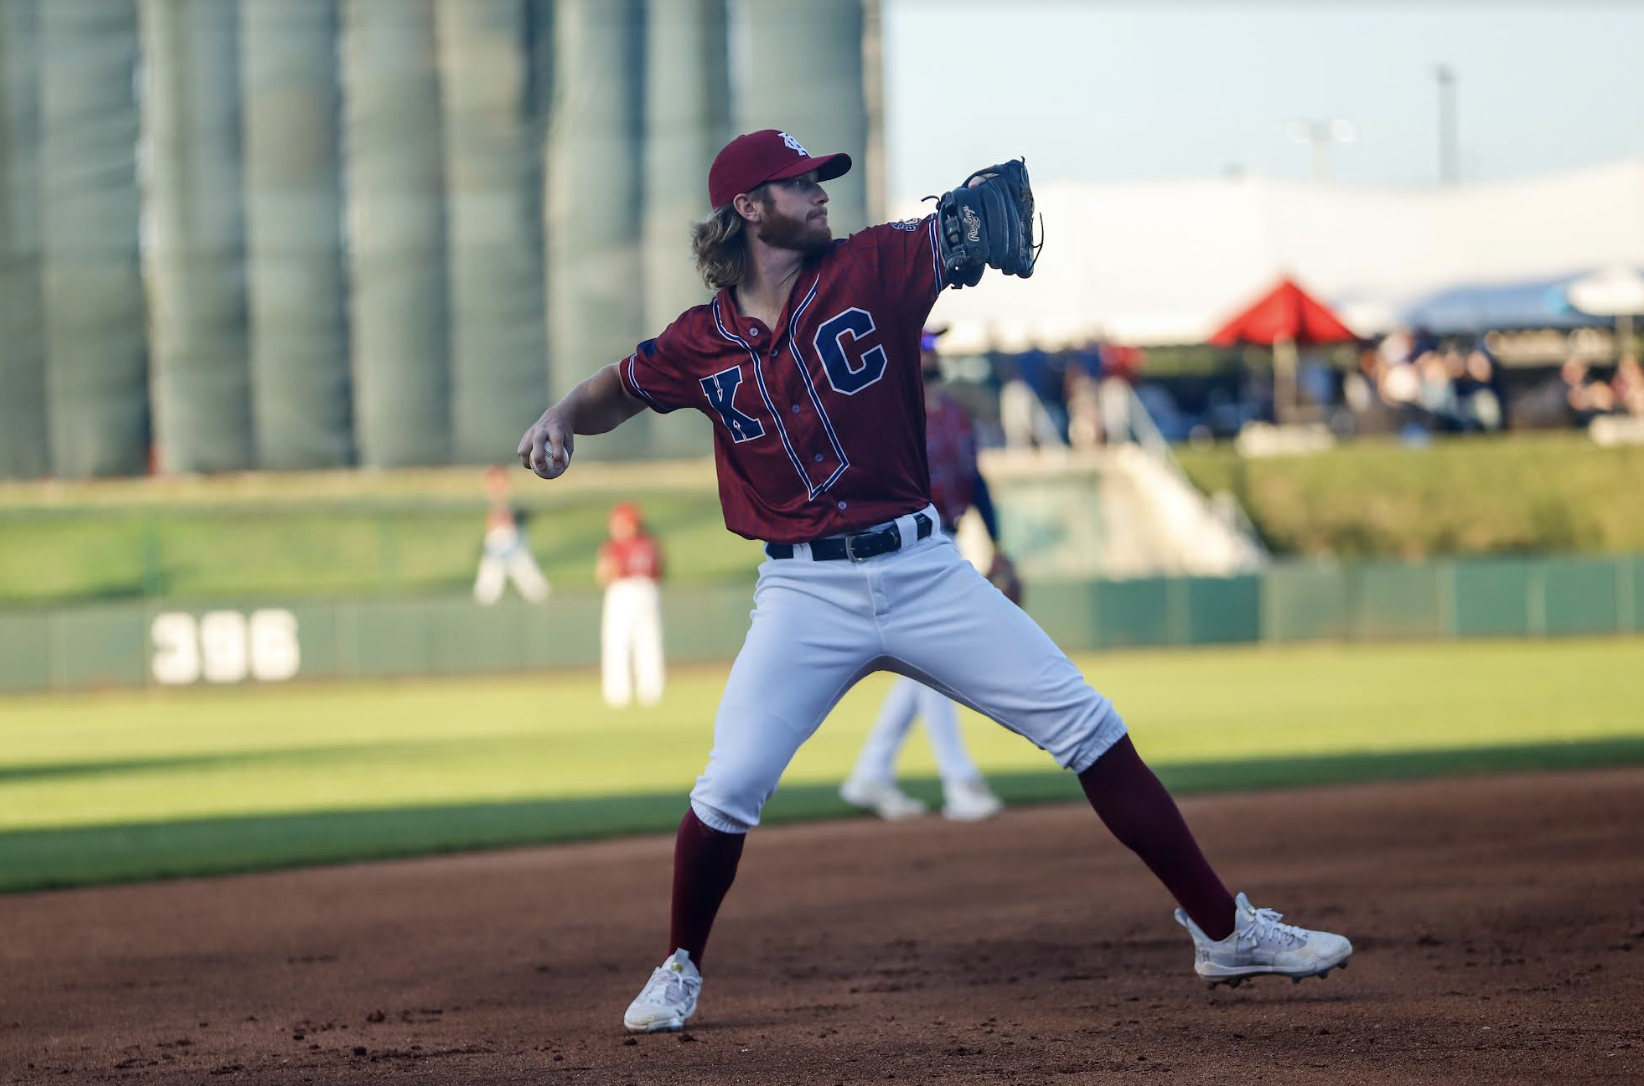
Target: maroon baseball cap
767	155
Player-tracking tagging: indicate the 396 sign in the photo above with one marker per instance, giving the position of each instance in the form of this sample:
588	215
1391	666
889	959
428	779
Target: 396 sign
224	647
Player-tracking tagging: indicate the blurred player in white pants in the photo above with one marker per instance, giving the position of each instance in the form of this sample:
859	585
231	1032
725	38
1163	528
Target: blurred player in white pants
629	567
956	486
506	555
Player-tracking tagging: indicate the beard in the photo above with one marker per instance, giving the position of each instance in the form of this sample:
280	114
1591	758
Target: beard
802	235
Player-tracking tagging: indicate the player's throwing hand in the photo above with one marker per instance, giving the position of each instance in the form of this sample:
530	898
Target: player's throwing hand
546	446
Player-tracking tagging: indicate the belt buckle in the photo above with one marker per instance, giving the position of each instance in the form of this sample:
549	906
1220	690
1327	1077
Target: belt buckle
850	550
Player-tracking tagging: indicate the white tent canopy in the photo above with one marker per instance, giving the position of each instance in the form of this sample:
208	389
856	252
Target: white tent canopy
1167	262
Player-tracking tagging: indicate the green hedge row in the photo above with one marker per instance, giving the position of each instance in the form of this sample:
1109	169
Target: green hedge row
1518	493
355	533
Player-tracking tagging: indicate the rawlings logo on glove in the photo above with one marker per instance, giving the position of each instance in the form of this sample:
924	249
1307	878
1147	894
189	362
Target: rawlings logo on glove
987	223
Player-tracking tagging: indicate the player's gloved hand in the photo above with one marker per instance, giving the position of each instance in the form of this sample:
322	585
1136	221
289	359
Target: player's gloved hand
987	222
546	446
1004	577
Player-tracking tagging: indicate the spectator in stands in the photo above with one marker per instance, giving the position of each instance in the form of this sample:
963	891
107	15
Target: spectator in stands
1022	415
1476	391
506	556
1584	398
1121	368
1361	392
1084	415
1627	386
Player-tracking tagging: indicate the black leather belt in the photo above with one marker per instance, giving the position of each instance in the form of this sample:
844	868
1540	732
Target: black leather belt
855	547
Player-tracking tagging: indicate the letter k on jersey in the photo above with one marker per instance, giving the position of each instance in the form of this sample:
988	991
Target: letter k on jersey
720	388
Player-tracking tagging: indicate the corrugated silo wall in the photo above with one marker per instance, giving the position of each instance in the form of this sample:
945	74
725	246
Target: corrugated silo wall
24	449
595	300
802	73
687	120
396	216
92	293
200	376
302	403
493	178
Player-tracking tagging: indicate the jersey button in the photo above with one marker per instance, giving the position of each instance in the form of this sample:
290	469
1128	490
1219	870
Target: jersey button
796	409
818	458
753	331
841	505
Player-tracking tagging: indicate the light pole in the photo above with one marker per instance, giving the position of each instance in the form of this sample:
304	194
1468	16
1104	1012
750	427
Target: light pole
1319	136
1448	173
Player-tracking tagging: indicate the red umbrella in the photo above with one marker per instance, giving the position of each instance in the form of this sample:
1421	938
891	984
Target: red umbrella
1283	318
1287	312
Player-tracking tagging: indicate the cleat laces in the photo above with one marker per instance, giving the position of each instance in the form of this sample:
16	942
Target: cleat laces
1266	926
667	985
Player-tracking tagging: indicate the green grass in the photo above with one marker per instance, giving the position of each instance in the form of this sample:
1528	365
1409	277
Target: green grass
307	550
101	787
1517	493
355	533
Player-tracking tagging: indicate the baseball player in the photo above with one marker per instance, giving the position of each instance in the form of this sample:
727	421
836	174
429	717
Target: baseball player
628	569
806	363
956	485
505	555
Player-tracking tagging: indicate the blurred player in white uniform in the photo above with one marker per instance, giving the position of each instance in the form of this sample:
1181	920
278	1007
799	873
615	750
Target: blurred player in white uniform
506	555
956	486
628	568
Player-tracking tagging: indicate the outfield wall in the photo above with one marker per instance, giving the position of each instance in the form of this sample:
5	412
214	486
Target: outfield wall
156	643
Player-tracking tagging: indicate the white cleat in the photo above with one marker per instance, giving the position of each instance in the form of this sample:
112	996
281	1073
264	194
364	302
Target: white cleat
1261	944
668	998
883	798
969	801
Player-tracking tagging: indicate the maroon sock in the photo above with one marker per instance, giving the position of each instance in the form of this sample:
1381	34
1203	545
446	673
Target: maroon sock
705	862
1140	813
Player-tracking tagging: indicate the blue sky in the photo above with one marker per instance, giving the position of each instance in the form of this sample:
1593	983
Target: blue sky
1103	91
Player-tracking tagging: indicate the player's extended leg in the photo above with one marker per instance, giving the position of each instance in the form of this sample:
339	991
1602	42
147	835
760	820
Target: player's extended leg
956	630
489	581
872	784
811	639
615	657
527	575
965	796
647	639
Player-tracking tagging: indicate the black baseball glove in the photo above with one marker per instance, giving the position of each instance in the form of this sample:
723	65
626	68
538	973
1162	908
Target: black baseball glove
987	223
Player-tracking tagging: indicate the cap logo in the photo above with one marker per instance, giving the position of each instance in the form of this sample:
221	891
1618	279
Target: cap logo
793	145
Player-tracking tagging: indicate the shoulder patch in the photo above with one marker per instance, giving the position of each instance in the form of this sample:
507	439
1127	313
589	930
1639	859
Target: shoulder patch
648	348
910	225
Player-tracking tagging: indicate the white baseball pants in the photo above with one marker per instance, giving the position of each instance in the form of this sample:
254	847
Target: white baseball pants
922	611
517	565
630	642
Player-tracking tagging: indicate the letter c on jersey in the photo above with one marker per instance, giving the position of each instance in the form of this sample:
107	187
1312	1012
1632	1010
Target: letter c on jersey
839	342
721	392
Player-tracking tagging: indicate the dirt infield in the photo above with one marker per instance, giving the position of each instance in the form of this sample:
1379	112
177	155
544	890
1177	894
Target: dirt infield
1499	925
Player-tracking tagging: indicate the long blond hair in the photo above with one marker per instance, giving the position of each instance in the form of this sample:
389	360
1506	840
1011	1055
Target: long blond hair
720	243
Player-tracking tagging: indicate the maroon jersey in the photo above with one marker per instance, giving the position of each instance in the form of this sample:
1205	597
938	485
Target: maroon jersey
951	448
636	557
819	423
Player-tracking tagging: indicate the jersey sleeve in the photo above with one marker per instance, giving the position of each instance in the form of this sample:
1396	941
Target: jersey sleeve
651	377
906	258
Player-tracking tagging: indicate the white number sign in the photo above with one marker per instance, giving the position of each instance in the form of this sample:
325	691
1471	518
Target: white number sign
224	647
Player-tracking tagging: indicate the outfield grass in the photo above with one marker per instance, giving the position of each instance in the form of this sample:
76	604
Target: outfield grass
102	787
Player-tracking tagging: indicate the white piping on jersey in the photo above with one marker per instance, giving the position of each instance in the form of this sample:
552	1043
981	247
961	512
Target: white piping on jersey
935	255
810	387
764	394
633	379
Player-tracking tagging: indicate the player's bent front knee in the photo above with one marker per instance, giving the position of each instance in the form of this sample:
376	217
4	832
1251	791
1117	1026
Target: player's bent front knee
714	818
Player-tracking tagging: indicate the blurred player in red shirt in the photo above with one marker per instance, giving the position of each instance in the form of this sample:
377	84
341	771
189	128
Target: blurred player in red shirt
956	485
629	567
